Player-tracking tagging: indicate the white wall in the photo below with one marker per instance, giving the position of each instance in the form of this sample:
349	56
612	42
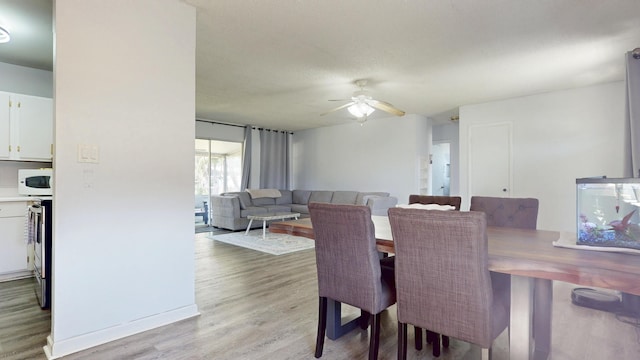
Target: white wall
123	228
213	131
381	155
557	137
24	80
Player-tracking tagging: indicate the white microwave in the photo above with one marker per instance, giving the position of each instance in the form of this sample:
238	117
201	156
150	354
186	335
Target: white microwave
35	182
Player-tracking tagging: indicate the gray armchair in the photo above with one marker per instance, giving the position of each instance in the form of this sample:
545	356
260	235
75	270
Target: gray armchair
349	266
442	278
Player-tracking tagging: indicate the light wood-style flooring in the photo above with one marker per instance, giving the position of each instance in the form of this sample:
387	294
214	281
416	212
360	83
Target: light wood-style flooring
260	306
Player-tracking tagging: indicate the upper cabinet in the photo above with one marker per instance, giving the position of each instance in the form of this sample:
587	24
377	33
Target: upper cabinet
5	129
26	127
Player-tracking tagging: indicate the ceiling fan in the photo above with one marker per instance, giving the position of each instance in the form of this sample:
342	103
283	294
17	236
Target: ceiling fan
361	104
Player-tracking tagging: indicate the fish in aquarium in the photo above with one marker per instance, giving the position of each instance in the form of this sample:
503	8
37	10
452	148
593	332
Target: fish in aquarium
622	225
619	232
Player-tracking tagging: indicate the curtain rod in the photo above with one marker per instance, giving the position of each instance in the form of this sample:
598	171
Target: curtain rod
241	126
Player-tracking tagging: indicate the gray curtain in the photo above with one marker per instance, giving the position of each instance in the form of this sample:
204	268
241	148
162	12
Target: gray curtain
633	112
274	159
246	158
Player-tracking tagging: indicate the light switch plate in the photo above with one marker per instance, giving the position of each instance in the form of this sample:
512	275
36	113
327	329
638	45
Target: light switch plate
88	153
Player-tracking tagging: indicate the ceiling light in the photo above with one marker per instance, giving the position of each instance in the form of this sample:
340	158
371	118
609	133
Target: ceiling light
360	110
4	35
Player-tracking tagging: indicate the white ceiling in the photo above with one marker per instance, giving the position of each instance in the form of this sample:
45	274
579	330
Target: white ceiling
276	63
29	22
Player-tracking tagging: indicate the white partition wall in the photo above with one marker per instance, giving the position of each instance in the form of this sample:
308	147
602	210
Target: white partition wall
556	138
124	92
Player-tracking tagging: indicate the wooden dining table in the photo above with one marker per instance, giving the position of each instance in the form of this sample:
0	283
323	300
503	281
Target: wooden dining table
533	262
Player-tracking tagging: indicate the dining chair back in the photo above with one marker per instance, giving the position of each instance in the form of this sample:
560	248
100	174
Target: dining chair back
454	201
442	277
433	338
348	266
521	213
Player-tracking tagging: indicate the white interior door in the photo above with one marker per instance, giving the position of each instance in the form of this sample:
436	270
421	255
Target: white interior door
490	160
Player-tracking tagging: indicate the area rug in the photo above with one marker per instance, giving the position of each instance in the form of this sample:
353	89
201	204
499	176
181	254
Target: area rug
274	244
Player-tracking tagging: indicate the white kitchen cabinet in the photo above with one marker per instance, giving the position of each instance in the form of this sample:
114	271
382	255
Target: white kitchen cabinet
26	125
14	255
5	129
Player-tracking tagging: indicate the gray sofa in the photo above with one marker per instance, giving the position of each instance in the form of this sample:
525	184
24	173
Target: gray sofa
230	210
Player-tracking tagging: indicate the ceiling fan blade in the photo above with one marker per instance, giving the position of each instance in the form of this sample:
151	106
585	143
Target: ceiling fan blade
385	106
338	108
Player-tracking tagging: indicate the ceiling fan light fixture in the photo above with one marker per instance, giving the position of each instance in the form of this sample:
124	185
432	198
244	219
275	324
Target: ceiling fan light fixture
360	110
5	37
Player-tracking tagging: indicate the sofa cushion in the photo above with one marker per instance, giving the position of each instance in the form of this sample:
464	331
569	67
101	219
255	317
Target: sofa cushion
278	208
253	210
344	197
301	196
286	197
321	196
360	200
300	208
245	200
263	201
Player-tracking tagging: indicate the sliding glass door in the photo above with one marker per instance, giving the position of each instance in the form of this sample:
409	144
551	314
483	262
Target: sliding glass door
218	169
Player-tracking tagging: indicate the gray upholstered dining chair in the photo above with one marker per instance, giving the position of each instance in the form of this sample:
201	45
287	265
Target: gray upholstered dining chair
348	266
433	338
442	278
520	213
454	201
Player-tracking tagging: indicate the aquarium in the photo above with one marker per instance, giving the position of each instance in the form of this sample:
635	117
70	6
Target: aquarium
608	212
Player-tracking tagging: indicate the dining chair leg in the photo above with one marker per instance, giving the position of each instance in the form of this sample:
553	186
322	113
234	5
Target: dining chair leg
322	325
374	341
418	337
445	341
430	336
436	345
402	341
364	319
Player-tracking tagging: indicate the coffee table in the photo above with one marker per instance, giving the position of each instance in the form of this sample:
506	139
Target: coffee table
269	217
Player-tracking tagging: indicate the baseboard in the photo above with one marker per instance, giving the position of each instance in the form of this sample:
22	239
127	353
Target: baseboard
16	275
55	350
